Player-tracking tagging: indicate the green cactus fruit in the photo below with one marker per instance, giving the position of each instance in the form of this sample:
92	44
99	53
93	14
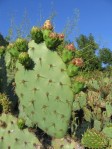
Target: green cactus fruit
46	33
21	123
22	115
5	103
67	55
94	139
11	48
65	143
36	34
45	92
2	50
12	137
77	87
52	41
24	59
21	45
72	70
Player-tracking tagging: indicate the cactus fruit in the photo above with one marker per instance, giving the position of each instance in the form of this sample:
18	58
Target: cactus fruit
94	139
22	115
48	88
74	66
11	48
72	70
24	59
21	123
36	34
12	137
21	45
68	53
52	41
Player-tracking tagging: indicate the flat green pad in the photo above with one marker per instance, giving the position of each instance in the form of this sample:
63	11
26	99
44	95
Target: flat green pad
12	137
45	92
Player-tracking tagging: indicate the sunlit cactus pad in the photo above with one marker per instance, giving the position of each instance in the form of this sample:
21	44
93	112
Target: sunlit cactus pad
45	90
12	137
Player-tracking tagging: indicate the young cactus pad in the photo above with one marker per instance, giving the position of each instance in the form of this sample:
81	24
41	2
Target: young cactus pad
12	137
45	91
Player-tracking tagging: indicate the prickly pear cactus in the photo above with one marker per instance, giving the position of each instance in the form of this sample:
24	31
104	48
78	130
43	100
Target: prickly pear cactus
12	137
45	91
94	139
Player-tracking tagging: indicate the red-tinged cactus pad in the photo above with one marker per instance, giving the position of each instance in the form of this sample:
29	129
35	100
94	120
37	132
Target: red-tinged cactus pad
12	137
45	91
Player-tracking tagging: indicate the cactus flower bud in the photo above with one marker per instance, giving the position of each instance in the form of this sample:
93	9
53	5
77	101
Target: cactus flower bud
61	36
78	62
47	25
70	47
53	35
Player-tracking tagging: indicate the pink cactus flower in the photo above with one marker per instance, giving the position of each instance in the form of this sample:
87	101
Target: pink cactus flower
78	62
53	35
70	47
47	25
61	36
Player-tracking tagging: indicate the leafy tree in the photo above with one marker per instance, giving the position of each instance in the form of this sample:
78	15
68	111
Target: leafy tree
87	48
105	56
3	42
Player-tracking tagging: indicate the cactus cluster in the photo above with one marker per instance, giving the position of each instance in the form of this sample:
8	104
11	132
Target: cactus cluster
40	89
95	104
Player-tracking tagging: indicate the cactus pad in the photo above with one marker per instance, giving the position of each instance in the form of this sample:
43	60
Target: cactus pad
45	91
12	137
